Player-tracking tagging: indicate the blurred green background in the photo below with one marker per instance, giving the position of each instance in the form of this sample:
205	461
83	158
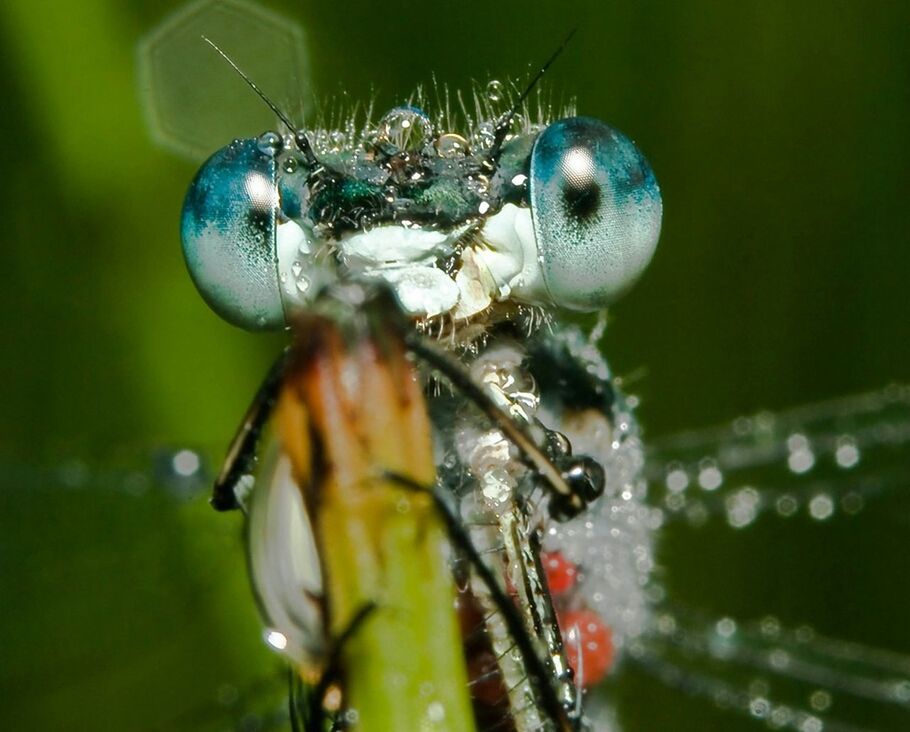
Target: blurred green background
779	134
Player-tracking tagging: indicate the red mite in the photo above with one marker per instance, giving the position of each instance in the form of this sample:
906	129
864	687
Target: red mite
561	573
585	636
588	640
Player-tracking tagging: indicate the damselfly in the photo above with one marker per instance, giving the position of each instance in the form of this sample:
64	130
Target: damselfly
695	500
480	234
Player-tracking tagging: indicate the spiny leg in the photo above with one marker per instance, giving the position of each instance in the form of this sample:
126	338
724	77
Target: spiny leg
573	481
315	714
536	668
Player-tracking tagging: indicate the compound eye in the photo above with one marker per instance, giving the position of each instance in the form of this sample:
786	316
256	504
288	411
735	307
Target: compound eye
228	231
596	209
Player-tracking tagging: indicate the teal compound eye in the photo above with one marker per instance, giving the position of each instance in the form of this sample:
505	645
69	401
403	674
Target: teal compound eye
596	210
228	228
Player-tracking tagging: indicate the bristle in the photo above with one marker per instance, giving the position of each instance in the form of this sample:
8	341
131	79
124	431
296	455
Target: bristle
357	123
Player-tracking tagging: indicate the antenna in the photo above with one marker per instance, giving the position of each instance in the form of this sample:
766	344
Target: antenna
502	126
300	138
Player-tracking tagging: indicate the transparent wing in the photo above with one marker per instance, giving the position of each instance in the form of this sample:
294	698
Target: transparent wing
821	492
823	459
125	599
179	473
844	459
194	102
788	678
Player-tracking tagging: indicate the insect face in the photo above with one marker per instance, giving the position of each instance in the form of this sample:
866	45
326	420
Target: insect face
565	215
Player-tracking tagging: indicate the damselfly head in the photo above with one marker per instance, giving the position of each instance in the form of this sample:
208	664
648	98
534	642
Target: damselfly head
563	215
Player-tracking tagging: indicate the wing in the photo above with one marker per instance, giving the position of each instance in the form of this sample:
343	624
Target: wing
822	459
822	491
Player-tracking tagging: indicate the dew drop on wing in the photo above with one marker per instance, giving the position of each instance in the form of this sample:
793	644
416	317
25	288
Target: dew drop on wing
792	677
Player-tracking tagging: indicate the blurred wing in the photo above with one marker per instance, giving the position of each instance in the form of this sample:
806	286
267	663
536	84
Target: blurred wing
824	459
194	101
120	587
790	678
820	461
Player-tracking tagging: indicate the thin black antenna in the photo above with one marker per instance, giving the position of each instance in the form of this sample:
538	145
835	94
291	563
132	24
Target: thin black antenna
505	122
300	138
250	83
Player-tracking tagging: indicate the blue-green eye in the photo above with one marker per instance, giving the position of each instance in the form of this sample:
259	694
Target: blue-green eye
228	231
596	209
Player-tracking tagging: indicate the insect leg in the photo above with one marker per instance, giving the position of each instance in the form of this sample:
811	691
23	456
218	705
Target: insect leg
536	668
315	714
574	483
241	454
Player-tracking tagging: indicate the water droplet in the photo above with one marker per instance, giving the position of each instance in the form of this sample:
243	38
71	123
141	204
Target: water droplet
801	461
337	141
666	624
781	716
759	707
811	724
709	476
352	717
495	91
726	627
675	502
436	712
821	507
484	135
276	639
779	658
270	143
186	463
180	471
820	700
801	458
451	145
770	626
846	455
742	507
676	480
403	129
786	505
742	426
